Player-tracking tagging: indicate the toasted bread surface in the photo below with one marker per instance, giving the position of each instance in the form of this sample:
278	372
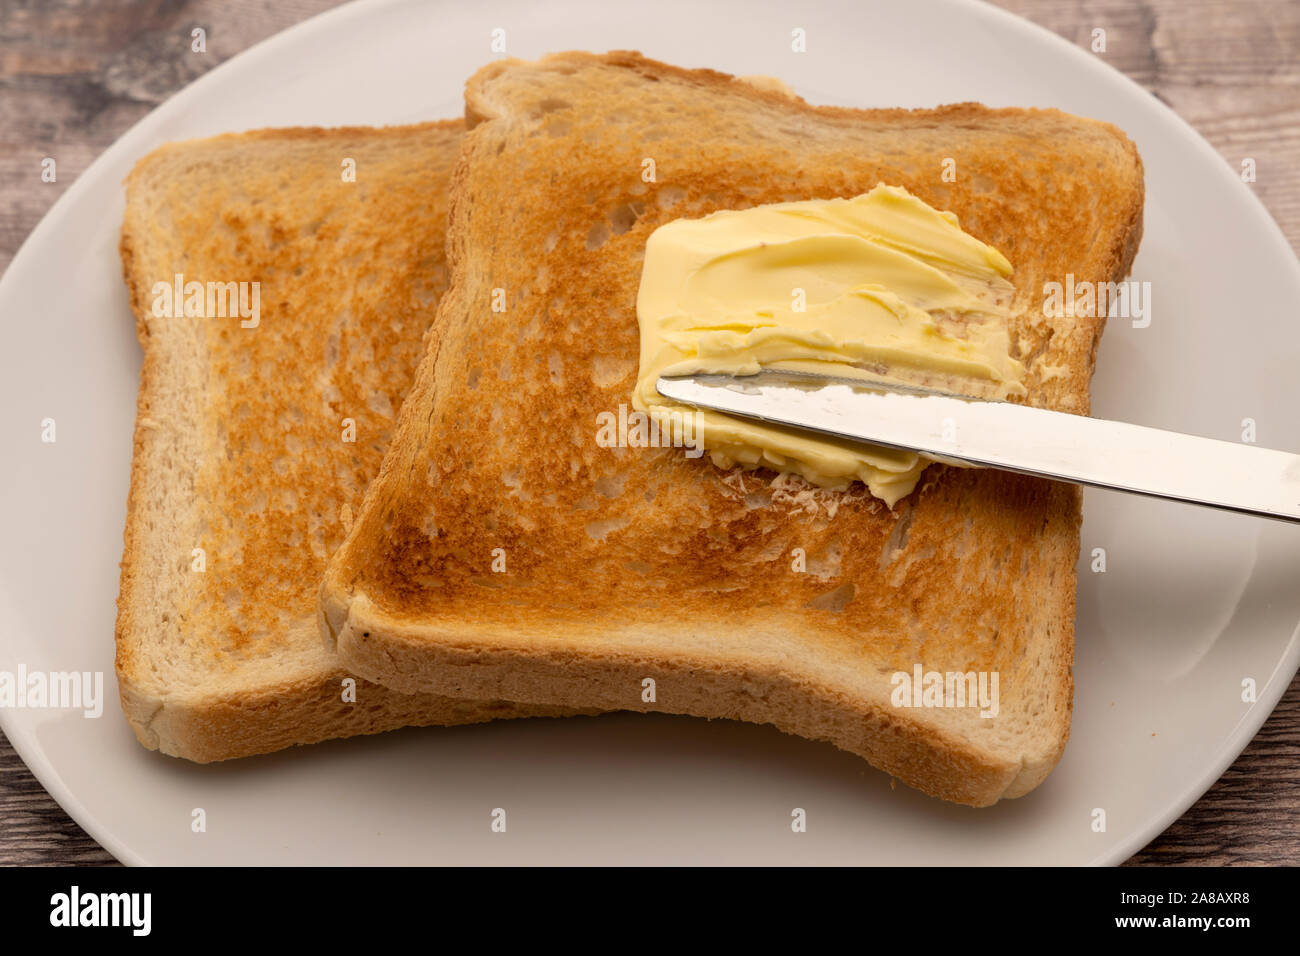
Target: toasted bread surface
243	478
637	578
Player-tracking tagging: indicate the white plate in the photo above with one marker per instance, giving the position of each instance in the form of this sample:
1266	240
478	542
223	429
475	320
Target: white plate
1192	603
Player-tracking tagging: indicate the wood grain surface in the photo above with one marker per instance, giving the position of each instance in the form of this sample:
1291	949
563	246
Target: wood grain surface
75	74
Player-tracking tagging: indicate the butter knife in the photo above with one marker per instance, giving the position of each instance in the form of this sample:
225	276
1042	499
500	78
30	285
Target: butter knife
1236	477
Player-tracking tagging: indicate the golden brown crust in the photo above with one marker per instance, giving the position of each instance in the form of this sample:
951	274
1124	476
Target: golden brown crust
265	718
625	563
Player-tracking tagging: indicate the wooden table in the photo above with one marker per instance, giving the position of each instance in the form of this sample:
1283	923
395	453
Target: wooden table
74	75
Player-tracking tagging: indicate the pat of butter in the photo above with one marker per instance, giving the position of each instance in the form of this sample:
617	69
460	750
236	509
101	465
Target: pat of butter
880	285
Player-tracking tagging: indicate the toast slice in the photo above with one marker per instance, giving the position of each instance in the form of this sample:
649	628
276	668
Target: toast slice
639	578
241	468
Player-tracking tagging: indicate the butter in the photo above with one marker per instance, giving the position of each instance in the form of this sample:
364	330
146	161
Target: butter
880	285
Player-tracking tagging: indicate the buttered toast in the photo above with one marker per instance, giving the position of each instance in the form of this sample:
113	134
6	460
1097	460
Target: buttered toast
504	552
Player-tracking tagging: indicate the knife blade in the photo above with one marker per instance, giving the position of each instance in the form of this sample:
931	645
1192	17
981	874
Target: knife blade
1121	456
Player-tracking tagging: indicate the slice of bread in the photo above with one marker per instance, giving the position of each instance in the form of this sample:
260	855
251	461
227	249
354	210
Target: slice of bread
241	465
639	578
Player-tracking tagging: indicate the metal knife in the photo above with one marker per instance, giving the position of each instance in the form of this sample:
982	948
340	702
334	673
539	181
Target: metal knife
1034	441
